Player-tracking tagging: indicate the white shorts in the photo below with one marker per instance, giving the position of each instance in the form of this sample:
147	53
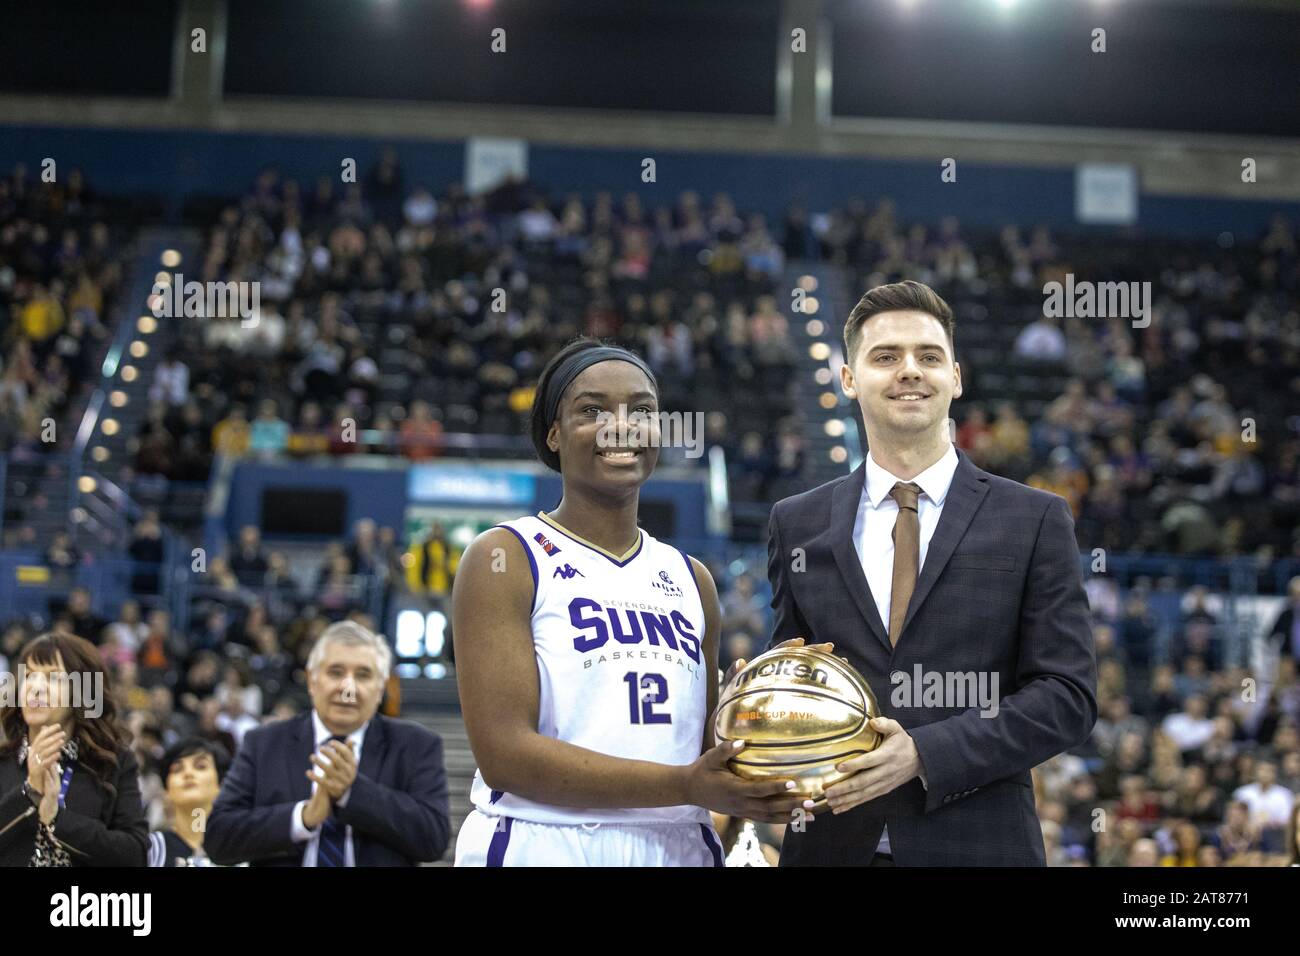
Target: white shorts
505	841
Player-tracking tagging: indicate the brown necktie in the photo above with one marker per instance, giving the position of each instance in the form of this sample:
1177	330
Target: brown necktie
907	555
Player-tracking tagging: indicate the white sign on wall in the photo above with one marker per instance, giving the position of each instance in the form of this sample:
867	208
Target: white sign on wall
490	159
1106	193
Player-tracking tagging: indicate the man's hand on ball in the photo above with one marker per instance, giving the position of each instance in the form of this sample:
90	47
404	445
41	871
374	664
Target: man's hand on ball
736	665
875	774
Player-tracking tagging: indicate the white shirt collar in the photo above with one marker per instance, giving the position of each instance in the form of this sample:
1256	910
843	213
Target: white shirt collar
934	481
323	733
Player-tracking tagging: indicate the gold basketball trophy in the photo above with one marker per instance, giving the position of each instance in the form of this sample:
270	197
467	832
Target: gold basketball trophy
800	712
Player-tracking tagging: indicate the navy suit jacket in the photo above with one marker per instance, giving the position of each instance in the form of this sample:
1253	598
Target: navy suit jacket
398	809
1000	593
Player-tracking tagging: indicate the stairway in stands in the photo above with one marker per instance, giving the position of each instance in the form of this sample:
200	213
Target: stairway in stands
97	437
821	330
128	374
434	704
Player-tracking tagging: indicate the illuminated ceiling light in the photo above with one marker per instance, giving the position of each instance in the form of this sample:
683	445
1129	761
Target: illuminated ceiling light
109	426
85	484
828	400
139	349
822	376
99	453
820	351
163	279
815	327
808	283
835	427
811	305
117	398
171	258
128	373
839	455
146	324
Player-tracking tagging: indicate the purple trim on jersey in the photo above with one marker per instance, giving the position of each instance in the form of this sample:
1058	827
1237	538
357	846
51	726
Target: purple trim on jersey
691	568
640	546
712	843
496	854
497	795
532	561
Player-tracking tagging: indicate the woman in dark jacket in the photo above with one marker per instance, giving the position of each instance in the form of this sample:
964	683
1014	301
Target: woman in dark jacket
69	787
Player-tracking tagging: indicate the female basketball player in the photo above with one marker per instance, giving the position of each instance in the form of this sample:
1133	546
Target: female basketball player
586	653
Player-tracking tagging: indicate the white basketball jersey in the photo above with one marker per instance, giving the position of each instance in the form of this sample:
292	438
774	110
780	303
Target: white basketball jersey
619	647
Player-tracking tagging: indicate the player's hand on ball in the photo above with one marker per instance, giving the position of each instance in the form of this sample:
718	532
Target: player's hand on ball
875	774
736	665
712	785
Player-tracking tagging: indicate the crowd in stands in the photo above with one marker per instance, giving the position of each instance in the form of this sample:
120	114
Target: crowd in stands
392	319
60	269
1176	437
1195	760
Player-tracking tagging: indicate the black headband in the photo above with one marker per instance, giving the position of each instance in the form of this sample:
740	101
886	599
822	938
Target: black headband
574	366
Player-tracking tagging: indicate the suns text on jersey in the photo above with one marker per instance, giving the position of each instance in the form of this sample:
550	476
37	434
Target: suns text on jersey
629	624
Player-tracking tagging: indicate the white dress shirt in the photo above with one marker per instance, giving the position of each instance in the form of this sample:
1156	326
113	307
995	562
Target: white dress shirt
873	535
299	830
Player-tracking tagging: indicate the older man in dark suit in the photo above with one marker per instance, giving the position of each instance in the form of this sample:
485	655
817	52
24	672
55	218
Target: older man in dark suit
956	593
341	786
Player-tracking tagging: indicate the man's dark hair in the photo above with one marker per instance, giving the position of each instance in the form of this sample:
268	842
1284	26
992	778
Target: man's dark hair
188	748
907	296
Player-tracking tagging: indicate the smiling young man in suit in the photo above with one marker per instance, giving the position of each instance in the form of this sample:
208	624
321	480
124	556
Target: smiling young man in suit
919	564
340	786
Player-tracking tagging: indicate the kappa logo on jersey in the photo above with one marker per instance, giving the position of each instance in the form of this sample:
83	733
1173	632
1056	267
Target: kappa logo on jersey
665	584
567	572
545	542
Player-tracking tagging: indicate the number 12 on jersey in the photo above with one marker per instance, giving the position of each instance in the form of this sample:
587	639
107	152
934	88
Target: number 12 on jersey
643	694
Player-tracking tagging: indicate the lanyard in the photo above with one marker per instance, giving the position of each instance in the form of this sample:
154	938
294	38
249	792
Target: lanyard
63	788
